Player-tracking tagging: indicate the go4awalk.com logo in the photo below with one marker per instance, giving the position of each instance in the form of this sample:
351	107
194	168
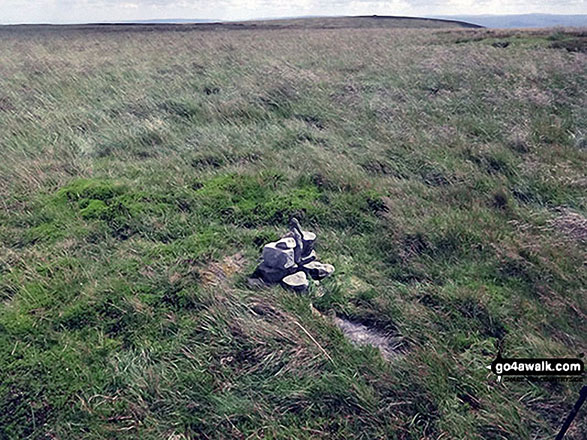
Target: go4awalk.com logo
567	369
553	368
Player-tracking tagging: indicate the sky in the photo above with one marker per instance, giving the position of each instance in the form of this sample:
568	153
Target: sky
86	11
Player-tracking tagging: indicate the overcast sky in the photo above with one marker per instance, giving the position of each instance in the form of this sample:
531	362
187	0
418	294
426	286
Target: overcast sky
71	11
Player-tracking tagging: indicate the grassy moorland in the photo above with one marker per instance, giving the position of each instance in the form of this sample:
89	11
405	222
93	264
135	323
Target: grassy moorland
141	172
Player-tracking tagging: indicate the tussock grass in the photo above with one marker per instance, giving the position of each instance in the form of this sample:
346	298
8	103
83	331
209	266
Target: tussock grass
142	172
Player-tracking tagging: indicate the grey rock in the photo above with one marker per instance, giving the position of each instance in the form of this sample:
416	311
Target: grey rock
318	270
298	250
294	224
286	243
297	282
278	258
295	231
308	240
290	260
308	258
272	275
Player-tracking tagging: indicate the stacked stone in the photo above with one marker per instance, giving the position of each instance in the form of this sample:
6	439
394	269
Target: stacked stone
292	259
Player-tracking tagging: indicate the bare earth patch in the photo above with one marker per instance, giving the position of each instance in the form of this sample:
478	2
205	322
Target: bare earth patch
389	345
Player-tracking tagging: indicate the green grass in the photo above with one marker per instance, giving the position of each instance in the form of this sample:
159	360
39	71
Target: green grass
142	172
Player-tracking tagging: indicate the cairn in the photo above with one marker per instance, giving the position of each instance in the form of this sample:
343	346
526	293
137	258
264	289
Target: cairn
291	259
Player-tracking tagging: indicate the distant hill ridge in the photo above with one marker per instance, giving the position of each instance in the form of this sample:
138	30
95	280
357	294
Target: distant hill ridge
319	21
366	21
373	21
470	21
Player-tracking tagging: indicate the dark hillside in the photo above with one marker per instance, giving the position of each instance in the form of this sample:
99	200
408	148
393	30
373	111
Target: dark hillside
311	23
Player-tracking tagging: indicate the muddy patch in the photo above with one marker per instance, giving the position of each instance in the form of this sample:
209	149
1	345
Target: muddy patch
390	345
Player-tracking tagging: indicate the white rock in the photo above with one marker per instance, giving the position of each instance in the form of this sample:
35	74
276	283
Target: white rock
308	240
286	243
309	258
297	282
278	258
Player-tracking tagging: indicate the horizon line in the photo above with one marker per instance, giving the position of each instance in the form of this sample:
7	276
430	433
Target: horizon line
277	18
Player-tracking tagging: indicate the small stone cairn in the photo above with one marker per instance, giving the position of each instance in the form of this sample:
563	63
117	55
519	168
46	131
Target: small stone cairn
291	260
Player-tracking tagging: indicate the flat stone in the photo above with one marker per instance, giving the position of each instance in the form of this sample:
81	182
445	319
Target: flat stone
318	270
297	282
286	243
308	240
278	258
270	274
309	258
